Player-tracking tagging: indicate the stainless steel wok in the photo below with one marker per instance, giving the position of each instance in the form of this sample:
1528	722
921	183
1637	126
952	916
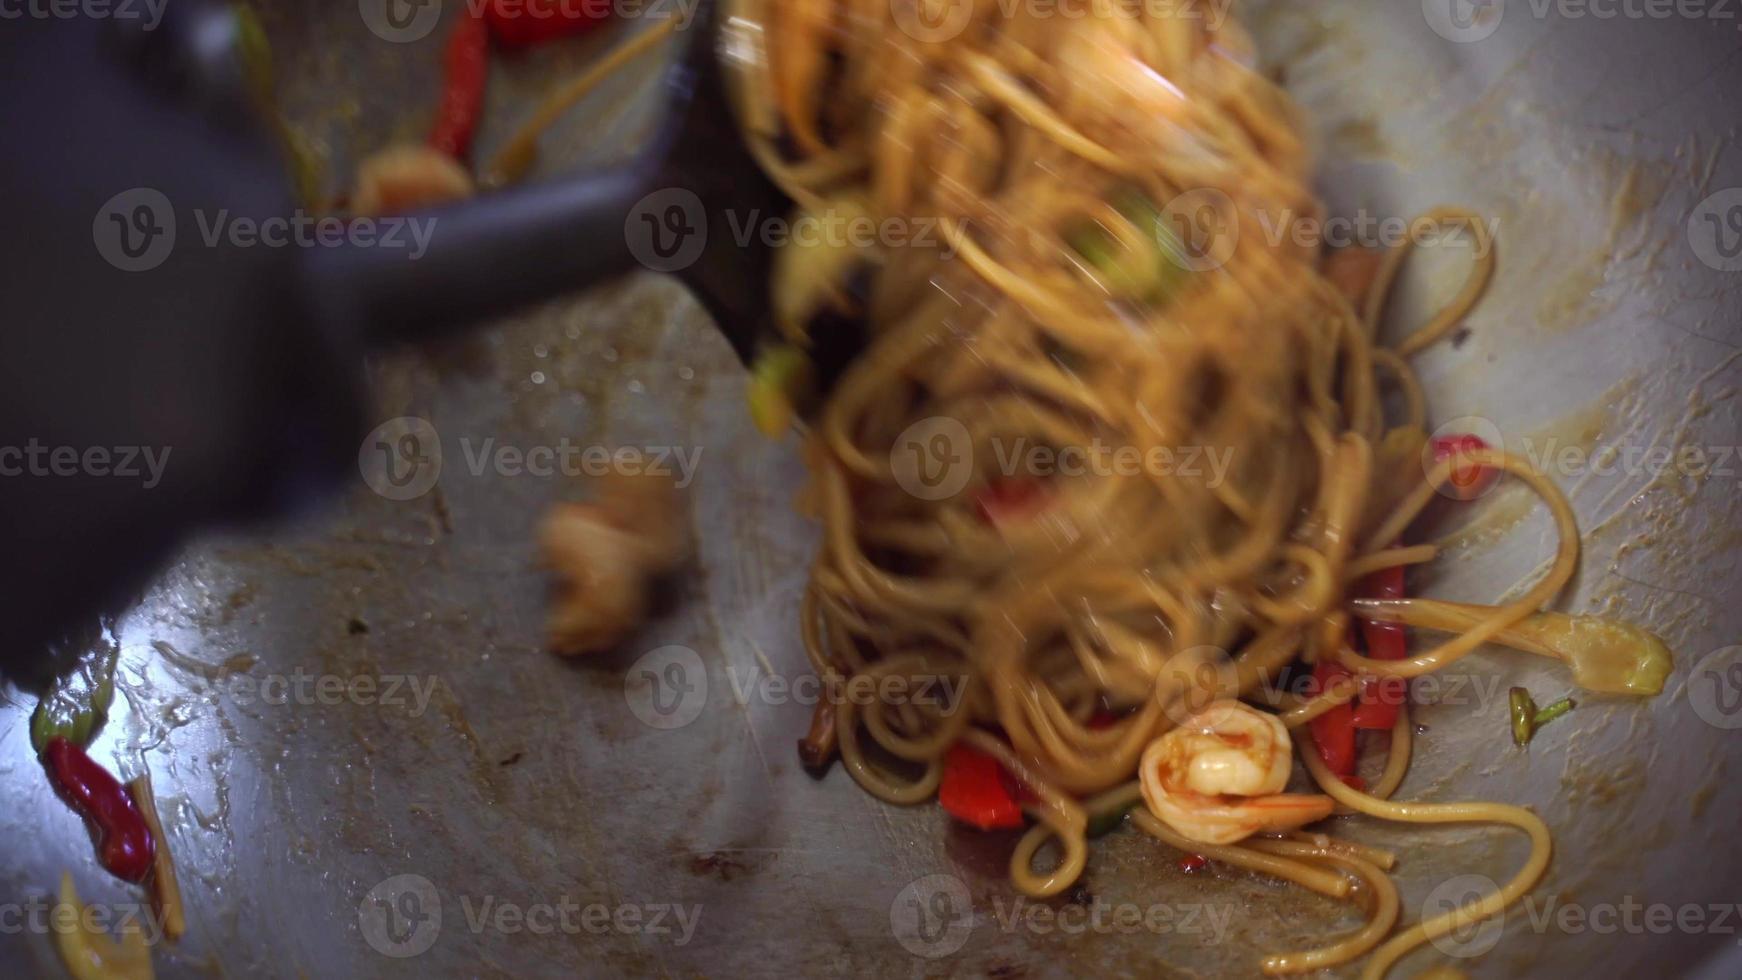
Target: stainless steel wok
370	767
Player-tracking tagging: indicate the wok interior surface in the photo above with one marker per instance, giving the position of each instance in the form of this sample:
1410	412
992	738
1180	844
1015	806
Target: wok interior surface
503	776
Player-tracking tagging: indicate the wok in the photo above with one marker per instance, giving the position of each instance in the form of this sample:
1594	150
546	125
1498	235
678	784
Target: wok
364	756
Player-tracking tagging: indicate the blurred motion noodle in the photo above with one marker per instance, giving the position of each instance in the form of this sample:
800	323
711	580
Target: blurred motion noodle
1102	180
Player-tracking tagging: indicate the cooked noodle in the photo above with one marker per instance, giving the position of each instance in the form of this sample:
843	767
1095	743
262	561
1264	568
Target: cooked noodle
1138	596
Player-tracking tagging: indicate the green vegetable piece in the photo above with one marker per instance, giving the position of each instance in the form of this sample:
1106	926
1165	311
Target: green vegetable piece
255	53
1552	711
76	706
1523	715
1107	821
1147	275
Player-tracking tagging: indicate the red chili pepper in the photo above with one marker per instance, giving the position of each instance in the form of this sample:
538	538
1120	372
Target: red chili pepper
1467	480
124	843
1193	863
520	23
1382	696
977	791
1334	731
1008	500
465	67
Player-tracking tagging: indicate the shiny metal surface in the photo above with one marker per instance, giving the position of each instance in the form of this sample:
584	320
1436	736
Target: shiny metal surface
427	734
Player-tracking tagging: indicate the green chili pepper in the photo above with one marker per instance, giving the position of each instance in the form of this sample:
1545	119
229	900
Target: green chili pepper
1148	275
1108	821
255	53
78	703
1527	717
1552	711
1523	715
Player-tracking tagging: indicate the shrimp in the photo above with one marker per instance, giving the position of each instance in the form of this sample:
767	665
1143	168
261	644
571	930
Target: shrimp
606	554
406	178
1218	777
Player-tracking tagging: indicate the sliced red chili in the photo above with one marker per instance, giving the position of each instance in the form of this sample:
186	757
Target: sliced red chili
977	791
1193	863
1334	731
124	844
1380	697
465	67
1468	480
1005	501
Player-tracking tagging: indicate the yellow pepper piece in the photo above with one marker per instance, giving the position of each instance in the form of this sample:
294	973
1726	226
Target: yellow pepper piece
89	953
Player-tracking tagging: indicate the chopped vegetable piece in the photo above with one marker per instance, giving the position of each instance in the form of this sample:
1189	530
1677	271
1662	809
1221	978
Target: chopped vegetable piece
89	953
1606	655
1523	715
1381	697
1352	270
1552	711
255	53
821	256
1193	863
522	23
1107	821
78	703
780	380
1334	731
124	843
1147	274
977	791
1467	480
465	66
818	745
1004	501
165	890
